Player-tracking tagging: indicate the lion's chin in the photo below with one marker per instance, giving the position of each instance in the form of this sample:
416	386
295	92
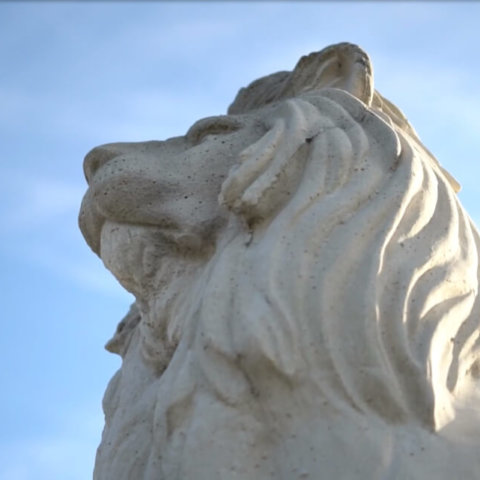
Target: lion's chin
136	254
133	253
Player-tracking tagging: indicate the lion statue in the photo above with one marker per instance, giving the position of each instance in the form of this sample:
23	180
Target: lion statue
306	287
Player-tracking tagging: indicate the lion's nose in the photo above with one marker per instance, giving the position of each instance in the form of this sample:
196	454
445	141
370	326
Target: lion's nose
98	157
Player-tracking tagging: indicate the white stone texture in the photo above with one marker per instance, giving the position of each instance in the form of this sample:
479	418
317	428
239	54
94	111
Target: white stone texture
306	287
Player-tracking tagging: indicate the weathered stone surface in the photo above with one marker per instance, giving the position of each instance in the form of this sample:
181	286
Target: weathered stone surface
306	287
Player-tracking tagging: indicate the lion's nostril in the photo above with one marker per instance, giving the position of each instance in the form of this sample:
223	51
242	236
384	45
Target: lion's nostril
96	158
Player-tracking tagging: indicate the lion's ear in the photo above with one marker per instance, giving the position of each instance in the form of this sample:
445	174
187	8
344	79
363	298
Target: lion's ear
269	170
344	66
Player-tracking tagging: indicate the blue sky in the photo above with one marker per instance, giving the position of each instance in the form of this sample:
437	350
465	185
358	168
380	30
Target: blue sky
76	75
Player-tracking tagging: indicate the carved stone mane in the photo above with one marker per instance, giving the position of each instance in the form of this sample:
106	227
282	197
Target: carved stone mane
306	287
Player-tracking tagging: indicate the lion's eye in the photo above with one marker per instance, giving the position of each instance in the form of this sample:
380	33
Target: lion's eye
220	125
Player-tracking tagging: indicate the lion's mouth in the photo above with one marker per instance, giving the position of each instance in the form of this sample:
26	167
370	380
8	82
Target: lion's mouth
160	228
127	197
91	222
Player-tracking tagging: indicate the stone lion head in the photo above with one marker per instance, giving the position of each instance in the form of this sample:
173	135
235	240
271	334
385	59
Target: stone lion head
306	283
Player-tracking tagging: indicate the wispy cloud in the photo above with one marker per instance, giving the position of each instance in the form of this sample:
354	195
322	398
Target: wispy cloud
109	114
38	226
83	269
66	452
30	201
